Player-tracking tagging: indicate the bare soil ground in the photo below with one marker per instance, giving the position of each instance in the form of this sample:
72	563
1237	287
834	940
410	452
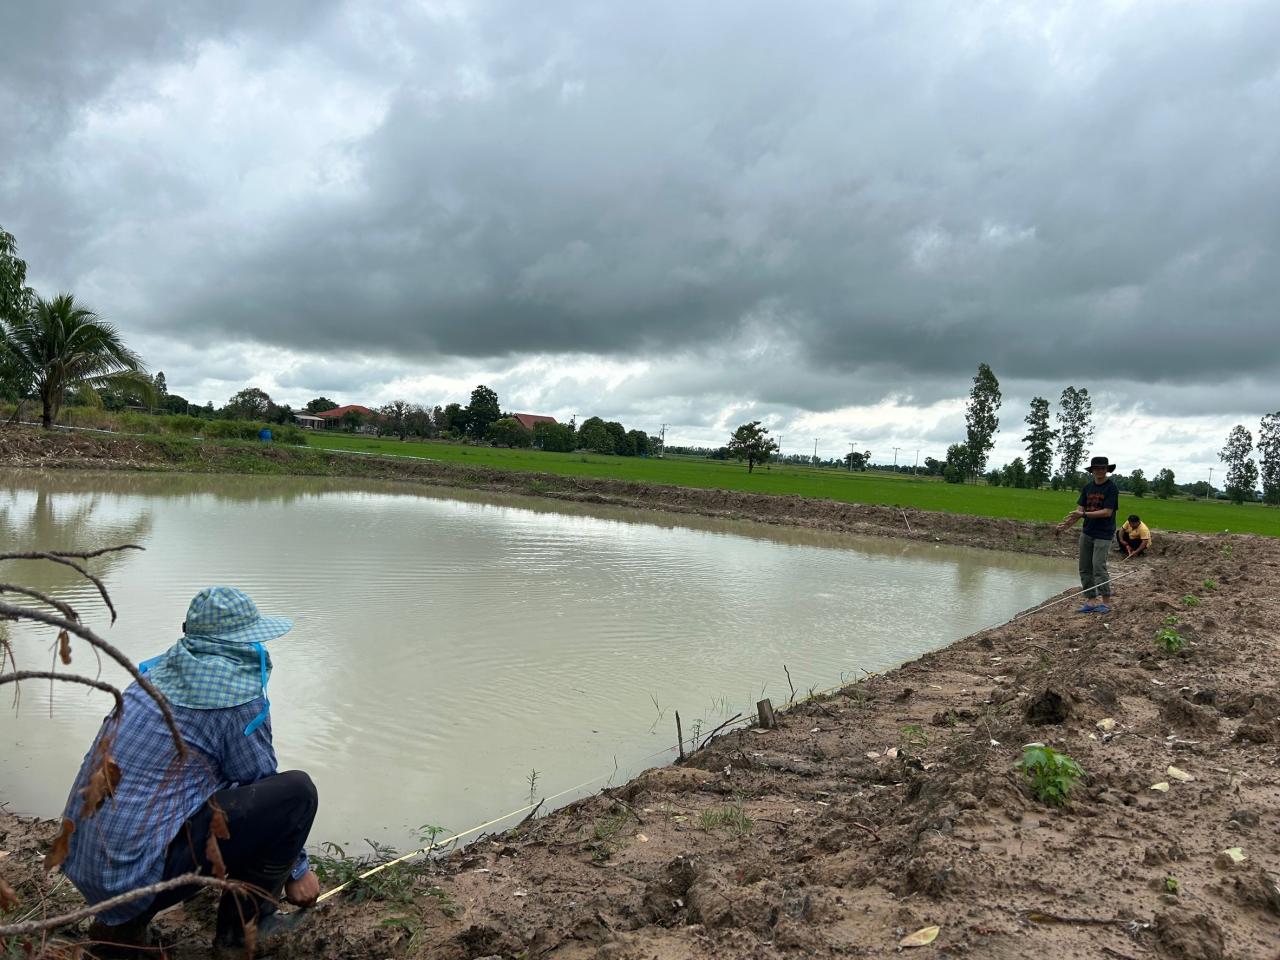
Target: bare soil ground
894	805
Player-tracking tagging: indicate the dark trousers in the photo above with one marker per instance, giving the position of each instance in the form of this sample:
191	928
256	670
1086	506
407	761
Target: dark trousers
268	822
1094	575
1132	543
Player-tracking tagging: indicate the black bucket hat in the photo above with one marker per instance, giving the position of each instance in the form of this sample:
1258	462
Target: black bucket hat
1102	462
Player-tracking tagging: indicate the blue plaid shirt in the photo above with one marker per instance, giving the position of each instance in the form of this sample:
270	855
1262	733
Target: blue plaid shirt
124	844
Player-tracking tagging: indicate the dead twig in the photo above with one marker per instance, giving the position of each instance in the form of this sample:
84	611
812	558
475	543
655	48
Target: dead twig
789	683
68	558
186	880
67	677
736	716
531	814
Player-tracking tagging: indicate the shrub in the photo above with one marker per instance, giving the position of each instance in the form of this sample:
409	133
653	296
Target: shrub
1190	600
1051	774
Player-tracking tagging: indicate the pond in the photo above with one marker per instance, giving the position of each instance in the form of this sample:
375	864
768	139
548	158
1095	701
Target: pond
454	652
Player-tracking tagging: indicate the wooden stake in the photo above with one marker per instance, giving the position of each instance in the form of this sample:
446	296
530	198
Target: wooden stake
679	735
764	710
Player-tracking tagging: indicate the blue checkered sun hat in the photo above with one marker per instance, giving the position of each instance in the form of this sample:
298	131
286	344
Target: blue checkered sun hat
220	661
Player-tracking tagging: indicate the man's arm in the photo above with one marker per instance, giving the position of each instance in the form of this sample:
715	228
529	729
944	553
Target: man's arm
247	758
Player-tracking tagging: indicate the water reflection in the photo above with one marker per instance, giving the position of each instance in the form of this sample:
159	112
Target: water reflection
447	642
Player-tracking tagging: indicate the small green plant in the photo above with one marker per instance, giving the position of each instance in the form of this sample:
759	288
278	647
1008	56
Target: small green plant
732	817
1225	550
1170	640
606	836
913	737
1171	885
1050	773
532	780
335	867
1210	584
1172	620
1190	600
427	834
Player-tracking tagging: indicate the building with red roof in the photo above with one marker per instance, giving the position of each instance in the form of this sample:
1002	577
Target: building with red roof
530	420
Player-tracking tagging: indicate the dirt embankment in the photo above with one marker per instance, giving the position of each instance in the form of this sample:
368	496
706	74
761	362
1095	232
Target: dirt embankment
37	449
894	805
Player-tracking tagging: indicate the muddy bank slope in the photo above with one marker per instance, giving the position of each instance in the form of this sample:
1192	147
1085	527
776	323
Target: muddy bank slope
894	805
36	449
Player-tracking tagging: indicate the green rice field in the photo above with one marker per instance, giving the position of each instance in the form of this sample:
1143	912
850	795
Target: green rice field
870	487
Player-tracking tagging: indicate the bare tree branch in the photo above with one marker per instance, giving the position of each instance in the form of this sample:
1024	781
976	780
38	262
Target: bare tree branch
64	608
66	677
39	616
68	558
186	880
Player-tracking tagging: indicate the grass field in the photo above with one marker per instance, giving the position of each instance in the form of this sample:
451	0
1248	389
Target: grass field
870	487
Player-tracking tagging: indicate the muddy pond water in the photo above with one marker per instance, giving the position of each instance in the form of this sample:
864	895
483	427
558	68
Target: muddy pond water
448	644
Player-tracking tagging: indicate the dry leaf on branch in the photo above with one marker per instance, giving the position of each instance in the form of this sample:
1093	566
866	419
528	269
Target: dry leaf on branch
8	898
102	784
61	845
64	647
213	853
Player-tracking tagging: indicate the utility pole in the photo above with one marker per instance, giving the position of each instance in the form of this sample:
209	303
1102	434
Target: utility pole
895	459
815	451
780	448
1206	493
851	456
916	466
662	441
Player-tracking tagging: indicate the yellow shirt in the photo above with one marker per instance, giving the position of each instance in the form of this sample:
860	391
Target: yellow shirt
1140	532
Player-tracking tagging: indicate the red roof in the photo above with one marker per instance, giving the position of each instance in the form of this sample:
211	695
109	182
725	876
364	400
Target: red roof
339	411
527	420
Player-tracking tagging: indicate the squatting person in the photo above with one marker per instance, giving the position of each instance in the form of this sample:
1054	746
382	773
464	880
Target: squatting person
1134	537
156	825
1097	506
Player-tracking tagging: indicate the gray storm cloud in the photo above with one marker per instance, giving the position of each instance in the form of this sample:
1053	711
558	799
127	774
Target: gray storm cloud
806	205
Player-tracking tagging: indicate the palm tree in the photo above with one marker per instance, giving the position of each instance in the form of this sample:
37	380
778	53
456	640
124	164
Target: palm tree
60	346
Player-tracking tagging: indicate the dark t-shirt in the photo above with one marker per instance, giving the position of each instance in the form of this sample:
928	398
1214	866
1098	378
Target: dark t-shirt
1098	496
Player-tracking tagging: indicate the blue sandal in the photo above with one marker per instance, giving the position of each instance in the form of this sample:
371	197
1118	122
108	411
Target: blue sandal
1101	608
1087	608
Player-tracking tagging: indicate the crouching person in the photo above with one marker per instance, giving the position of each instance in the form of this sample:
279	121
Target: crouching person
156	824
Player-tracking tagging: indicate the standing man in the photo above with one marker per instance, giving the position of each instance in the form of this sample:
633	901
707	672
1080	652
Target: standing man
1134	537
156	823
1097	506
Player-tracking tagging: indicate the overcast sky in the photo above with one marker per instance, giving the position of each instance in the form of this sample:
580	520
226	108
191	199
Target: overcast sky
822	215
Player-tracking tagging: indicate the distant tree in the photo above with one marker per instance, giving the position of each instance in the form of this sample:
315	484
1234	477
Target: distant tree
175	404
352	420
956	467
933	467
1164	485
419	421
60	346
1269	458
1242	472
751	442
1075	423
853	460
1039	440
1015	474
282	413
995	477
17	300
507	432
618	434
320	405
395	417
161	388
638	443
593	436
1200	489
482	411
251	403
1138	484
981	420
554	437
454	421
